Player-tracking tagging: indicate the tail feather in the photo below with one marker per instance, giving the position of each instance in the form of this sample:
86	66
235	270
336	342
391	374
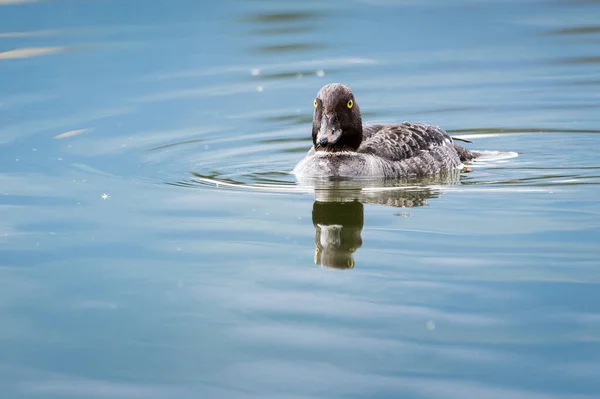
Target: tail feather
461	139
464	154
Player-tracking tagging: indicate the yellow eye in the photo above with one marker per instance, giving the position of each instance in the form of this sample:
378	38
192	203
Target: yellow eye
316	103
350	103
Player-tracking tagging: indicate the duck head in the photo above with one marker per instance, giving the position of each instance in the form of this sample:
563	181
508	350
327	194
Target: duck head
337	123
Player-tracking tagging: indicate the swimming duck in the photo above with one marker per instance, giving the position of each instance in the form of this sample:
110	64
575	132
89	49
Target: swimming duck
344	148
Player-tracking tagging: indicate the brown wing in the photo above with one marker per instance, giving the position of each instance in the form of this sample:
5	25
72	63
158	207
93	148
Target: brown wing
402	141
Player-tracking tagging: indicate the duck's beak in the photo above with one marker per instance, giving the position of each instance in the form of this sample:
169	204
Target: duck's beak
330	130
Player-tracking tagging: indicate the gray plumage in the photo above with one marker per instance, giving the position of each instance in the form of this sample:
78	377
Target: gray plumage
344	148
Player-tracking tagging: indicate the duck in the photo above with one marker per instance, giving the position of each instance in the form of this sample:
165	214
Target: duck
344	148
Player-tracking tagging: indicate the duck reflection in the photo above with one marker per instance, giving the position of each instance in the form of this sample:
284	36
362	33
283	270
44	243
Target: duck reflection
338	209
338	227
338	216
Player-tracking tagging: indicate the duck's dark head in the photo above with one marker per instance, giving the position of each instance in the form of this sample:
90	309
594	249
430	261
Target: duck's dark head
337	124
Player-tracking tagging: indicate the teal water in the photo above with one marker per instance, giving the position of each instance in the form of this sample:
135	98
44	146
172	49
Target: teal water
154	245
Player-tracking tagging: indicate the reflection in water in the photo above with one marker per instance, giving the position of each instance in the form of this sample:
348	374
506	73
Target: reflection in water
30	52
338	210
279	24
578	30
338	226
291	47
338	219
396	193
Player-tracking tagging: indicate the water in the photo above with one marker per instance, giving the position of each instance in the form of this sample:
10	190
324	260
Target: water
154	245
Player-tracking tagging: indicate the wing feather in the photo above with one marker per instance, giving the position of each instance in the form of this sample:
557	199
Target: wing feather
402	141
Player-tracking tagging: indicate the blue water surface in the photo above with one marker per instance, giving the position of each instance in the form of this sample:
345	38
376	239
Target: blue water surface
154	245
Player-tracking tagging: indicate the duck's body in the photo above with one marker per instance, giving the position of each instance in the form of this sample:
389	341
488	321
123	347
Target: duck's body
389	151
344	148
